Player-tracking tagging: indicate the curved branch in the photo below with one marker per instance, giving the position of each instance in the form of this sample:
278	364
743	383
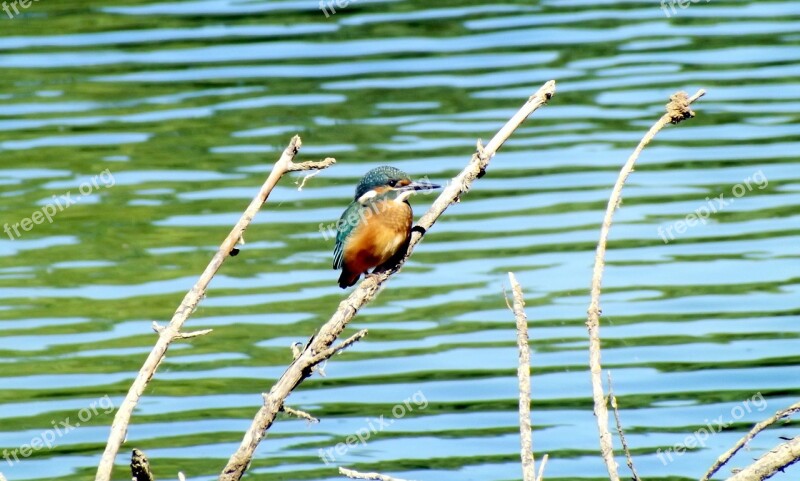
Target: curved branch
369	288
677	110
119	428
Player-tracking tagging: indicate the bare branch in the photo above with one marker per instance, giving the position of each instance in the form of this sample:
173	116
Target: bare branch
368	289
783	413
621	433
375	476
524	376
767	465
119	427
677	110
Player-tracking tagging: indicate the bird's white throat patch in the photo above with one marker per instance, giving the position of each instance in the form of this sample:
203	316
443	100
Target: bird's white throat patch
367	197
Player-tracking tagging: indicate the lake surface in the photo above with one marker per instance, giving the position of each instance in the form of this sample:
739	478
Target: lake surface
142	129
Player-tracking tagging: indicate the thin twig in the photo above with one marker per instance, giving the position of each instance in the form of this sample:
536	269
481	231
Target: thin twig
750	435
620	431
119	427
373	476
677	110
524	376
299	414
368	289
329	353
766	466
540	476
140	467
189	335
301	184
182	335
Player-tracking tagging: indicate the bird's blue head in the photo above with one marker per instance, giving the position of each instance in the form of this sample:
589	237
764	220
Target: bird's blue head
383	176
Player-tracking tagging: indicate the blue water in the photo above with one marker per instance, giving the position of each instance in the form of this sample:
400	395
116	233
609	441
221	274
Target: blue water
186	105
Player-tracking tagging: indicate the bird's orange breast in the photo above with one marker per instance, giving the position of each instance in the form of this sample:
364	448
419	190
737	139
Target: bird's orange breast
381	232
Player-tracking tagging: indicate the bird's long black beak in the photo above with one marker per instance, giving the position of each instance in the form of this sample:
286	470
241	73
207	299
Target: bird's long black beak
421	186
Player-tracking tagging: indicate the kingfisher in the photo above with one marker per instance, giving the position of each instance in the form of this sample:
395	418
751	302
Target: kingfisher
376	226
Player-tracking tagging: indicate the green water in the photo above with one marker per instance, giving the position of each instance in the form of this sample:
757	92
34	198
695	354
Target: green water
180	108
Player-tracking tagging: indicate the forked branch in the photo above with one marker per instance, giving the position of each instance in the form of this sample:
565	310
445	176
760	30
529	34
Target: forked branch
368	289
172	332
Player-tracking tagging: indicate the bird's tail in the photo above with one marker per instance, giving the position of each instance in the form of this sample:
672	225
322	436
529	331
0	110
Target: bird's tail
348	278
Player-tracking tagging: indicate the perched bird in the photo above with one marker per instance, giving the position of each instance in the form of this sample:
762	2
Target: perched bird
376	226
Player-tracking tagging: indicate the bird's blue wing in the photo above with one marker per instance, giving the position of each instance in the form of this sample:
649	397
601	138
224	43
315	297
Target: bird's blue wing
343	231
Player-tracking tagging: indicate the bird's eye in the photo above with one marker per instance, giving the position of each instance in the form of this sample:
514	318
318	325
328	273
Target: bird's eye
392	183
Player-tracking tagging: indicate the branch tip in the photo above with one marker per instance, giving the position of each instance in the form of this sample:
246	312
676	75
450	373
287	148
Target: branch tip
140	466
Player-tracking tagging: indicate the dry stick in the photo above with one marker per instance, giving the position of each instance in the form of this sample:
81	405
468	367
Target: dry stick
119	427
374	476
767	465
620	431
524	376
368	289
677	110
750	435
